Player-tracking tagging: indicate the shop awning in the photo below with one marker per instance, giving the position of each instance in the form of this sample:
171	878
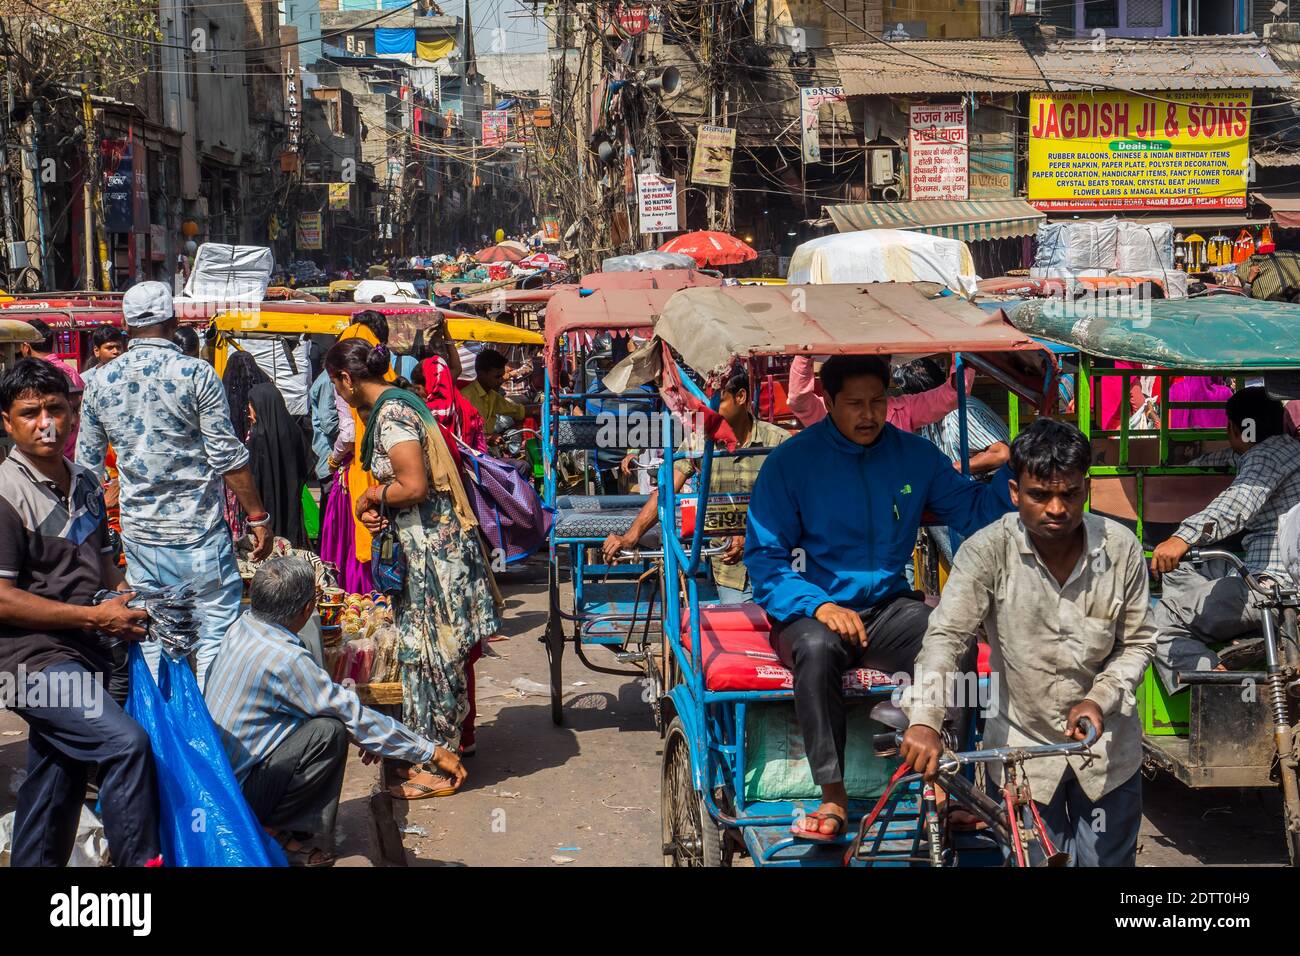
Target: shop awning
1199	221
967	219
1285	208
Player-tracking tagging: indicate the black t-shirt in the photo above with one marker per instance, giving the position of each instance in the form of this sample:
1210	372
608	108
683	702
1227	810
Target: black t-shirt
53	548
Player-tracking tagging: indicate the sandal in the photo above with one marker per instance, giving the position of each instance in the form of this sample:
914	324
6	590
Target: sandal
817	836
303	855
422	791
309	857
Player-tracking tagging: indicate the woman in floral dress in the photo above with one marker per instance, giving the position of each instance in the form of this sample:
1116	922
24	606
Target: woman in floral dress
449	602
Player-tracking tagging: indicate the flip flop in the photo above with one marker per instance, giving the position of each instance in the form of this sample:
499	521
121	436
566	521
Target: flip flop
816	836
423	791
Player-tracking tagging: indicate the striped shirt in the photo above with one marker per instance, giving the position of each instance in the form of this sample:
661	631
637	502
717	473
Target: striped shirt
265	684
983	430
1267	486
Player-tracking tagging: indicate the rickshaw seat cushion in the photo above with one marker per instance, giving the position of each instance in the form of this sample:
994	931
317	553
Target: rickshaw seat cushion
738	655
595	516
599	502
593	524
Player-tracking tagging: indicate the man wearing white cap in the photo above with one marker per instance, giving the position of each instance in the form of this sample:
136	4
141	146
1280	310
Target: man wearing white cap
166	415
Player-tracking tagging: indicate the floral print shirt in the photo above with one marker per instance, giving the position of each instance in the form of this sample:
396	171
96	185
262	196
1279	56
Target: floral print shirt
166	416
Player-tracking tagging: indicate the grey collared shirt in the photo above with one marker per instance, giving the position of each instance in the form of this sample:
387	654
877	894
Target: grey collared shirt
1051	646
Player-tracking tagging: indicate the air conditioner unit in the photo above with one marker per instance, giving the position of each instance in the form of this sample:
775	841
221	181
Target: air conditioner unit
881	168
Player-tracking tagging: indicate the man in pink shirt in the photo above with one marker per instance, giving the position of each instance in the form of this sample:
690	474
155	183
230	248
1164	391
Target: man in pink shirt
44	350
906	412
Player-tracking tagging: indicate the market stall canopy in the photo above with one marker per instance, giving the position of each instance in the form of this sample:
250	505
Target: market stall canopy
1211	333
1285	208
709	248
672	279
969	220
500	253
936	66
1160	64
610	310
884	255
710	328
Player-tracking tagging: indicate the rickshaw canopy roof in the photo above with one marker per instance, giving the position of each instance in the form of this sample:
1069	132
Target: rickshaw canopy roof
1212	333
65	319
324	318
620	310
670	279
16	330
710	328
513	296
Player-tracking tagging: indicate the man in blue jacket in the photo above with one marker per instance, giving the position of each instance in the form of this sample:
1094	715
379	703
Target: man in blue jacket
832	521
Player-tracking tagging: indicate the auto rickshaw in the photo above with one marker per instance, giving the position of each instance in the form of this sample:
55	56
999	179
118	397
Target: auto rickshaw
327	320
1214	729
734	775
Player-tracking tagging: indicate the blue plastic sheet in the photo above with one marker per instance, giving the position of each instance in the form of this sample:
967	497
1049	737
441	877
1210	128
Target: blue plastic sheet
203	817
394	40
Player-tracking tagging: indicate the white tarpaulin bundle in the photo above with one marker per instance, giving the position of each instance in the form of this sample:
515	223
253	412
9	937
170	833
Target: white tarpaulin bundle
225	273
639	262
884	255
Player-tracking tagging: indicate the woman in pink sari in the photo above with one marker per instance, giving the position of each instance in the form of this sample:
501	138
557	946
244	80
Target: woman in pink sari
337	544
1199	388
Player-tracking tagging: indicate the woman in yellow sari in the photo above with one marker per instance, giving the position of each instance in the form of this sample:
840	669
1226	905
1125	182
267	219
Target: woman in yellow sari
372	327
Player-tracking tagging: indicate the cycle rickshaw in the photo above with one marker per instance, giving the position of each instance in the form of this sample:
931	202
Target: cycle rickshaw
725	786
613	606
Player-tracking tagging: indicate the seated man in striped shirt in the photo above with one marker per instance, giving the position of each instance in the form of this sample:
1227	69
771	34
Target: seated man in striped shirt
1204	605
286	724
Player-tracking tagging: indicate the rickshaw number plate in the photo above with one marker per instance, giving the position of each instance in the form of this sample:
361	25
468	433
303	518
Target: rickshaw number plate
724	516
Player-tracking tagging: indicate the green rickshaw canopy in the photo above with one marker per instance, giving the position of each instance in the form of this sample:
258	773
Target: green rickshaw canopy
1219	332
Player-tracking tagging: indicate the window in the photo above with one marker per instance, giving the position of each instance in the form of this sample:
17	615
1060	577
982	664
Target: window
1100	13
1122	18
1145	13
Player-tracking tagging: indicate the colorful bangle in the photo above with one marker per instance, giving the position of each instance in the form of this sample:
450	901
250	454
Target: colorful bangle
258	521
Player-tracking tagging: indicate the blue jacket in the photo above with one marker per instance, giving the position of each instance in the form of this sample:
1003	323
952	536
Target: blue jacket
324	422
852	512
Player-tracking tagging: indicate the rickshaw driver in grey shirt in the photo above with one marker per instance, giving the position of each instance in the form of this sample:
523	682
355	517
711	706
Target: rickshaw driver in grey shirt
1063	599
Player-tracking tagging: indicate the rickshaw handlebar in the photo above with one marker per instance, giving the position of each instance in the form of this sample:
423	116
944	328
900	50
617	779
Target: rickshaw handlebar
951	762
636	554
1199	555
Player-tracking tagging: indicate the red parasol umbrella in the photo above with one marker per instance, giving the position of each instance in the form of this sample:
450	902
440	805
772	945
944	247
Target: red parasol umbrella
544	260
711	248
498	253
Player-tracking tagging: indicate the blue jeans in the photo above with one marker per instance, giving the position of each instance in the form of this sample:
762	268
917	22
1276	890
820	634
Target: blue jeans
734	596
1104	833
65	736
210	564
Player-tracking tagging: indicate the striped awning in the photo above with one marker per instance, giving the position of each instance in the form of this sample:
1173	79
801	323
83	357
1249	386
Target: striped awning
969	220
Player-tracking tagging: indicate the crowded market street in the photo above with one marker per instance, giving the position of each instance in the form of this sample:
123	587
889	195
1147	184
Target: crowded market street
587	793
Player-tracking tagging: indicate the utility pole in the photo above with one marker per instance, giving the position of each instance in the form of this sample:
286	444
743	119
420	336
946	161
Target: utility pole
13	263
88	216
